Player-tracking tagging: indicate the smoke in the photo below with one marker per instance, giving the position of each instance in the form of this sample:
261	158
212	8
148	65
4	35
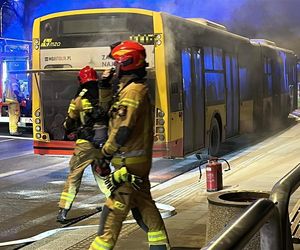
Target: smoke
275	20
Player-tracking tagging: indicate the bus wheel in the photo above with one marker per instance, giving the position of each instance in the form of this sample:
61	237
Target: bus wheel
214	138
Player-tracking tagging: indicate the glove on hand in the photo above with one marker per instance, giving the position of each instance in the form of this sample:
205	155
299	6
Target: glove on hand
101	170
72	136
106	77
115	179
135	181
104	159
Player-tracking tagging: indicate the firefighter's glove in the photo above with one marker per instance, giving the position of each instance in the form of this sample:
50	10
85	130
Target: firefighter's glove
121	176
135	181
72	136
106	77
116	179
101	170
104	161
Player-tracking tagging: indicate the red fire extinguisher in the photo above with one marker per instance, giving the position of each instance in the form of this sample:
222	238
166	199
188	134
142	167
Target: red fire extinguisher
214	175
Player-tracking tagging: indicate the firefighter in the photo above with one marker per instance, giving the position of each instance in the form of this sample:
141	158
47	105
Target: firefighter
129	150
13	98
86	123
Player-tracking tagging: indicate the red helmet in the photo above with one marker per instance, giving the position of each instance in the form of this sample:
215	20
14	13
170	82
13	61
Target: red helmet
130	55
87	74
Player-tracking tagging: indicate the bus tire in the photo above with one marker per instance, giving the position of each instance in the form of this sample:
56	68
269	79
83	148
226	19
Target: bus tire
214	138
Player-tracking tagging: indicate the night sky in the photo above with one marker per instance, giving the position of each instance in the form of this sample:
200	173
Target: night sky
276	20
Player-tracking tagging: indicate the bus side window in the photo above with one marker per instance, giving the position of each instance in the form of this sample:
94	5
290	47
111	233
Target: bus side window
208	58
218	62
215	88
214	76
186	77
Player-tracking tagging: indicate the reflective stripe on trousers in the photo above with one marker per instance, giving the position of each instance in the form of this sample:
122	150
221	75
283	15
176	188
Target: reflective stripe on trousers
99	244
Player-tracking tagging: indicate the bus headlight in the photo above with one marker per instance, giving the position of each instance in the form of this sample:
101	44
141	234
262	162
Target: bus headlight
37	113
37	120
38	136
38	128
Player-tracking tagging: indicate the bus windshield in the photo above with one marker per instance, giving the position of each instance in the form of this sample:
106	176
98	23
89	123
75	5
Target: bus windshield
94	29
76	41
56	91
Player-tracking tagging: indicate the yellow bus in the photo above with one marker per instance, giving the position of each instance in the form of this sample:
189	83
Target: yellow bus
207	83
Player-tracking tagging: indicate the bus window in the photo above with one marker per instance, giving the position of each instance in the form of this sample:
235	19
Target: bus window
215	88
236	100
56	94
208	58
92	29
199	114
188	110
186	77
232	95
218	64
213	58
214	79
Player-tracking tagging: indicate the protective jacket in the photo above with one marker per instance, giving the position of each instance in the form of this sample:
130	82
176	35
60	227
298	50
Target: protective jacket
130	142
131	126
12	98
88	119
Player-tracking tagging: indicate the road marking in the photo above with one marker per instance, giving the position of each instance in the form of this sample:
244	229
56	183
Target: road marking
6	140
16	137
11	173
57	182
18	155
168	211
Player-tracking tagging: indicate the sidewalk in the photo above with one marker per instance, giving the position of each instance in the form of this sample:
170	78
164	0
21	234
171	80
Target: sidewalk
256	168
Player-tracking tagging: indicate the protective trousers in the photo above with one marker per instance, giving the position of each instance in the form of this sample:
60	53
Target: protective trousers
116	209
84	154
14	116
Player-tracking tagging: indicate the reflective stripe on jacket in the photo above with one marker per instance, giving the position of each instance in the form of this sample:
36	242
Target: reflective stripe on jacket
132	110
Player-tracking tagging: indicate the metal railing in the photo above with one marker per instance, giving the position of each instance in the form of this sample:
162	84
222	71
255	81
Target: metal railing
280	195
270	216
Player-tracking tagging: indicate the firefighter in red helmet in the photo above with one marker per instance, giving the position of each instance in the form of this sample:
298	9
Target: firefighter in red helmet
129	149
86	123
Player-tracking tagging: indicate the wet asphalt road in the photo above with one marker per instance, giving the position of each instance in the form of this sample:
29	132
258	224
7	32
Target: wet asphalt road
31	185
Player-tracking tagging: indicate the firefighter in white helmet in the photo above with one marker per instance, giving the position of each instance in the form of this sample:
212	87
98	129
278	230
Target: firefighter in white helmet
129	149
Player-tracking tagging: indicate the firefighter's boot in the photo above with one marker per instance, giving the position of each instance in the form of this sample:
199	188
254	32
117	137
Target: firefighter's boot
62	215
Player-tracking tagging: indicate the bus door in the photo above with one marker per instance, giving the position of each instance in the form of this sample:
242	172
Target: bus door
232	96
193	113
